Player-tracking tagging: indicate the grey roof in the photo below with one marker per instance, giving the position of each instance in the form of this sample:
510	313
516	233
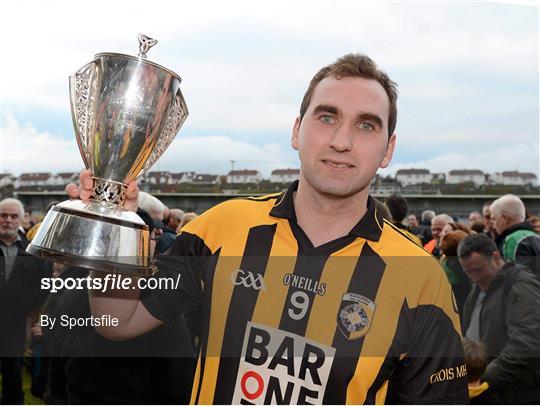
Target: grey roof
516	174
35	176
412	171
465	172
243	172
286	172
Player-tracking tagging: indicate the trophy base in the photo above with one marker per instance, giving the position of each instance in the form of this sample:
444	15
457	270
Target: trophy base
95	236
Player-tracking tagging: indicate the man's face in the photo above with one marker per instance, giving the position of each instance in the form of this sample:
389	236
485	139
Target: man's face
413	221
482	270
488	223
174	219
499	221
437	225
10	220
473	217
26	221
536	226
343	138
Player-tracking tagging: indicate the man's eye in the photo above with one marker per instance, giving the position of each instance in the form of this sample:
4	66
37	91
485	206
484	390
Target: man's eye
366	126
327	119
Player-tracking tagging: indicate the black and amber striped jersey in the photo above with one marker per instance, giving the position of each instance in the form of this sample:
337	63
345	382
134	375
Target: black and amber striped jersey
368	317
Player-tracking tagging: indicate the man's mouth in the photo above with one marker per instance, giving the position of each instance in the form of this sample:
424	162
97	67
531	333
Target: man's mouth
337	164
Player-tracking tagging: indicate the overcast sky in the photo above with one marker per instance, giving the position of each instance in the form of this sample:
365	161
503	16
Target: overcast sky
467	75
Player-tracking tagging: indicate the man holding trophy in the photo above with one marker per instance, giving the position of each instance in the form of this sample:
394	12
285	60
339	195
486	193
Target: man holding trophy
307	296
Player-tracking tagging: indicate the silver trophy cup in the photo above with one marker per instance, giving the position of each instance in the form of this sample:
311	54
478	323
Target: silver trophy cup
126	111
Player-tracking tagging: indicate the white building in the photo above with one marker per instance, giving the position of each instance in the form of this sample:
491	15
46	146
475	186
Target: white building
516	178
159	178
244	176
457	176
205	179
182	177
6	179
413	176
36	179
284	175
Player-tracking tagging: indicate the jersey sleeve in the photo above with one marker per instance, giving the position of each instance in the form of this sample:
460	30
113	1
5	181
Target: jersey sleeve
178	279
433	369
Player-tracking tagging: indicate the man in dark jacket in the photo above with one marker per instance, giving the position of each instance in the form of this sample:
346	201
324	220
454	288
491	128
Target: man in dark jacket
423	231
166	239
20	293
516	238
502	312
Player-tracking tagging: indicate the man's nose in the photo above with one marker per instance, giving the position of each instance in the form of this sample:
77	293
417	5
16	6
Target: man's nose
342	138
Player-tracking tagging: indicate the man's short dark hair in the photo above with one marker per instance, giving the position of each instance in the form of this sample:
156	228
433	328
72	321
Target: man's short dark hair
398	207
479	243
478	226
487	204
355	65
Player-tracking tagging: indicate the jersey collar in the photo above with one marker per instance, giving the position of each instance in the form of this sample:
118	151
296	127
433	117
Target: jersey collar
369	227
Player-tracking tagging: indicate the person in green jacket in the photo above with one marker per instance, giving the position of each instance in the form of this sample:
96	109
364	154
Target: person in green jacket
516	238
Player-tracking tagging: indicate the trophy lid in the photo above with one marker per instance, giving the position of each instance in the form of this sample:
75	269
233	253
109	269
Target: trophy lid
145	43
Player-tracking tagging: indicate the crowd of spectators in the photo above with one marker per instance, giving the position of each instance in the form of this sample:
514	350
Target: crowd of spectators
493	266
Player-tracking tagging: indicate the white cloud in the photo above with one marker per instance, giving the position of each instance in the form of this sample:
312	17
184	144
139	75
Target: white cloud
24	149
56	38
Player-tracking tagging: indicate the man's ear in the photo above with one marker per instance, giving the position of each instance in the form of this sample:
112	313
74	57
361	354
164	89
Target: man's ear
389	151
295	131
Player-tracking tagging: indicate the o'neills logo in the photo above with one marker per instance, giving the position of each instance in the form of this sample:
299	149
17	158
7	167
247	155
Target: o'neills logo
301	282
278	367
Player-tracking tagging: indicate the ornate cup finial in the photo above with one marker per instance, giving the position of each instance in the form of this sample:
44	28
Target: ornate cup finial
145	43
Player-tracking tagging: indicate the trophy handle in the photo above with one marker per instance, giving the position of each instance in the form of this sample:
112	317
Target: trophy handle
79	89
176	118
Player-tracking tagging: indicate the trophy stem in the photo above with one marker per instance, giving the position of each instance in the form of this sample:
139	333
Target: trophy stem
109	191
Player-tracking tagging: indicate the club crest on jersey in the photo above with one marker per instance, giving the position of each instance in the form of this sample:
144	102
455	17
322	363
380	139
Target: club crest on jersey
355	315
